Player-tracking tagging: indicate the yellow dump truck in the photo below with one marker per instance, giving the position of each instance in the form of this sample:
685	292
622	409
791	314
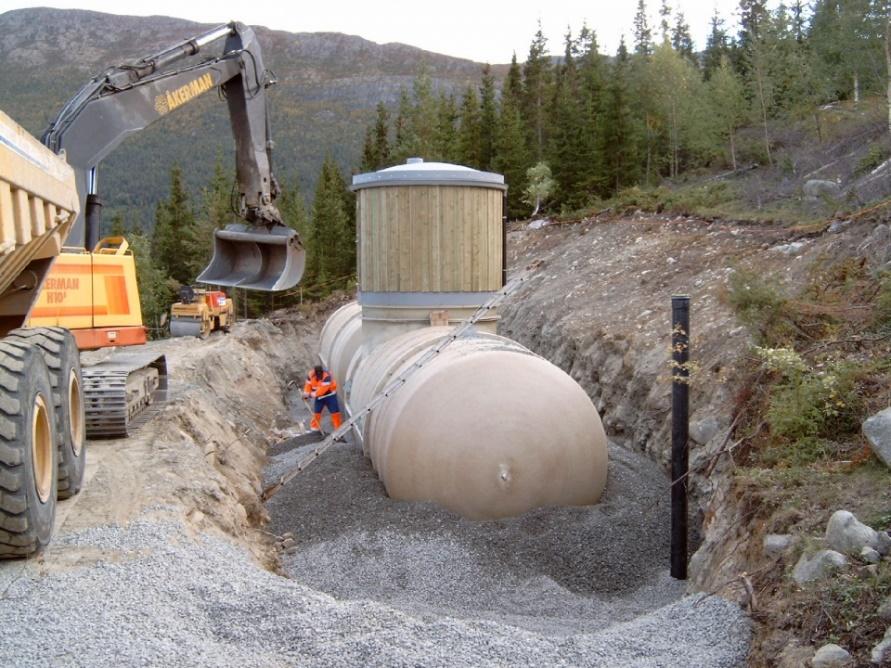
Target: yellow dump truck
49	196
41	402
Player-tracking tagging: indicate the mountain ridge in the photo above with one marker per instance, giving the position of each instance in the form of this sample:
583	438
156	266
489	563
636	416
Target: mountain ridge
328	86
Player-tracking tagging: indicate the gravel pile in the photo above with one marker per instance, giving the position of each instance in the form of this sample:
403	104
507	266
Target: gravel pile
557	573
160	597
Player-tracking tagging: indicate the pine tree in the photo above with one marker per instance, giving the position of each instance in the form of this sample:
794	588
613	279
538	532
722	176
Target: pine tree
537	82
215	213
681	40
118	227
643	37
176	249
665	20
469	130
445	140
571	150
380	134
593	94
406	142
423	117
332	235
488	119
512	154
293	209
619	140
716	46
156	293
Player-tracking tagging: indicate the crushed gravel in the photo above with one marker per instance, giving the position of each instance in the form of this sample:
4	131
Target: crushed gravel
160	597
562	573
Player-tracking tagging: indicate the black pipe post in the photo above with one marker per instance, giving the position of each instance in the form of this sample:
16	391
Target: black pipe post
680	431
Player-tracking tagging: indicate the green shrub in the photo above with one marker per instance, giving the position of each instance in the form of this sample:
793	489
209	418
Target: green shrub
808	407
874	157
759	306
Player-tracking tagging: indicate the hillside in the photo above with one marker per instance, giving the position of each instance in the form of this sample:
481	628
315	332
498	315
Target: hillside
328	86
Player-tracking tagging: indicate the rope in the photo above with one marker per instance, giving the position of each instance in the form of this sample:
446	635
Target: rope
397	383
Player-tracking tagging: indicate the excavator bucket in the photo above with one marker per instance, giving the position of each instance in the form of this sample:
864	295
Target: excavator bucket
256	258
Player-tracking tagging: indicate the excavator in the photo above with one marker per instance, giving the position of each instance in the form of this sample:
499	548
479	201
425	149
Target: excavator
50	207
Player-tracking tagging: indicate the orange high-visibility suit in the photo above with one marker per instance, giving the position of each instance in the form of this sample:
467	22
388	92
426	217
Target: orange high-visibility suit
321	386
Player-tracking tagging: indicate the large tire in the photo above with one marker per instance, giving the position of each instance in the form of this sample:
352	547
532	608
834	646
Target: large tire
28	452
62	358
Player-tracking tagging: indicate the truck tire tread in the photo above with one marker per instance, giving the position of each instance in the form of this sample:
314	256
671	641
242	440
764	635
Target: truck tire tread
25	523
60	353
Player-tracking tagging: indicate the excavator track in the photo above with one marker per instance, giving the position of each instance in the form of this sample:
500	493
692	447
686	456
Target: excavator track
117	389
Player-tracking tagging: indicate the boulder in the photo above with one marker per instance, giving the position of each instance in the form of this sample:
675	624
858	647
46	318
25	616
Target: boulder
817	188
881	653
817	566
869	555
877	246
794	655
777	543
702	431
877	430
844	533
839	226
831	656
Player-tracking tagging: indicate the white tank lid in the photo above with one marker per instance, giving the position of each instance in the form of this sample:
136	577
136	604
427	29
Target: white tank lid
416	172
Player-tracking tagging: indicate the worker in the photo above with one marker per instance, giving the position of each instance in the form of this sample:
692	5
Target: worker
321	386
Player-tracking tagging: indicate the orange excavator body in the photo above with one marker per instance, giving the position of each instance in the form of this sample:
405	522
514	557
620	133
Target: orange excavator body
95	295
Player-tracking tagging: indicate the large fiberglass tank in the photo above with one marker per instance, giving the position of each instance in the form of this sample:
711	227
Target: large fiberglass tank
487	428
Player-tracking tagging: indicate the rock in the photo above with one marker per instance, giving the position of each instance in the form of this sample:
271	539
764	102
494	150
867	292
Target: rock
538	224
794	655
704	430
791	248
877	247
831	656
877	430
882	652
818	565
884	543
777	543
839	226
816	189
847	535
869	555
884	611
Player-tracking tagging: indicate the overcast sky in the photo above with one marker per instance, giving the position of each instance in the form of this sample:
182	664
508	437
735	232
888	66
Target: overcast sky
481	30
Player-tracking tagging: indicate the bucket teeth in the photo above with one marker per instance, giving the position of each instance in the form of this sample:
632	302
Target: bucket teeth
256	258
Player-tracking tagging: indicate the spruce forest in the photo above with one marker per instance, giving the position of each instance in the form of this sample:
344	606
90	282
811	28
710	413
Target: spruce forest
570	132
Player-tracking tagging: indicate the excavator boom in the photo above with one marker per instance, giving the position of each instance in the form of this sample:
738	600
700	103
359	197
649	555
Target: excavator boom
259	253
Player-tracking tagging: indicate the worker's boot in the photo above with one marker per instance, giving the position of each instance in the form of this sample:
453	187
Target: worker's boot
316	422
336	420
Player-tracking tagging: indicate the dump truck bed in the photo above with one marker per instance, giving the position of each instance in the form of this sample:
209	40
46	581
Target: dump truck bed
38	205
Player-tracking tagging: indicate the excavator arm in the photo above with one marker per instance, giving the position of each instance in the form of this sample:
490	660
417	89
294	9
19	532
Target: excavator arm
260	253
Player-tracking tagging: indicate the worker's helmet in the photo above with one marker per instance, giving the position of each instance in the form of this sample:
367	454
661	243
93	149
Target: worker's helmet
319	370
